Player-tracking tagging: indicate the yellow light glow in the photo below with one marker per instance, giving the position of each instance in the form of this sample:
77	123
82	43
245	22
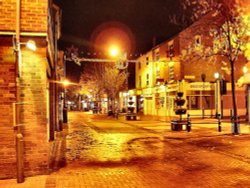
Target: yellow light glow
114	51
216	75
31	45
245	69
66	83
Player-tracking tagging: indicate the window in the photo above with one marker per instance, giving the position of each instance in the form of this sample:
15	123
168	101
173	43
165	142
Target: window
197	42
197	100
157	70
170	51
156	55
147	60
139	65
147	80
139	81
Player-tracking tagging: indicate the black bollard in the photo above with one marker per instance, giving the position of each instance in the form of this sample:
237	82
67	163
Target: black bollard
188	123
219	123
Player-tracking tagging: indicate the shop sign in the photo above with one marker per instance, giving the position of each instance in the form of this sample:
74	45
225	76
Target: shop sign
199	86
160	89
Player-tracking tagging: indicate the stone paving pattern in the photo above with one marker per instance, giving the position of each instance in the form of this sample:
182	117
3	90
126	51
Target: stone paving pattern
100	151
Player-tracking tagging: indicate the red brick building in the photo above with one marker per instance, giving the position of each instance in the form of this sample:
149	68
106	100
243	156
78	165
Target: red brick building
165	70
28	93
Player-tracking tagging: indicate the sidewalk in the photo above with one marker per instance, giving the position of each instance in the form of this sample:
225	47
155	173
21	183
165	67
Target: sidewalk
201	141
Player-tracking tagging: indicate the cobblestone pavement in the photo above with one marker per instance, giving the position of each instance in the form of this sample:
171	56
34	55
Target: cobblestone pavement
99	151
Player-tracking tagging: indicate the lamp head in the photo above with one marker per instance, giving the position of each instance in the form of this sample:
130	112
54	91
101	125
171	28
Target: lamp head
216	75
31	45
114	51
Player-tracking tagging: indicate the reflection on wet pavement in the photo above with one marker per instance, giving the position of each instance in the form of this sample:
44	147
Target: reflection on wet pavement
98	142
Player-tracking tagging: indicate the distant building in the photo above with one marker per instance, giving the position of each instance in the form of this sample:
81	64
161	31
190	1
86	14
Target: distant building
29	95
162	72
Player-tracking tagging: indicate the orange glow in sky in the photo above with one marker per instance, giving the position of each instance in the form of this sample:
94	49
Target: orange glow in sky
110	33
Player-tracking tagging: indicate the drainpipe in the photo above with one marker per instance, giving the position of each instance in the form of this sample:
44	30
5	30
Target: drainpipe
19	136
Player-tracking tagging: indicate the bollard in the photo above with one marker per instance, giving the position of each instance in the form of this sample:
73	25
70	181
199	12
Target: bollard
65	115
203	113
60	125
238	125
219	123
19	158
188	123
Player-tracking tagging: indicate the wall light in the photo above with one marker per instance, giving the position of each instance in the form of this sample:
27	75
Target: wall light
31	45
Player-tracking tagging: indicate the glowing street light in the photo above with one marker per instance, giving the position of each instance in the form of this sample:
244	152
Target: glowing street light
216	75
65	110
65	83
217	96
31	45
114	51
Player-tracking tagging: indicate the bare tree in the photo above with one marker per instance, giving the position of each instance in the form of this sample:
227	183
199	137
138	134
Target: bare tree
100	78
229	35
115	81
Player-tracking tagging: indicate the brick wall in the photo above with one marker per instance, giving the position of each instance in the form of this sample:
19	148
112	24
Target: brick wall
33	15
34	91
207	66
7	97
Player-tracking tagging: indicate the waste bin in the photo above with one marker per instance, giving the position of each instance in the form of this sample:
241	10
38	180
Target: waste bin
176	125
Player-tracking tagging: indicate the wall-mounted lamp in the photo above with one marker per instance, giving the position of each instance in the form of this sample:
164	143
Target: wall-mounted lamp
29	44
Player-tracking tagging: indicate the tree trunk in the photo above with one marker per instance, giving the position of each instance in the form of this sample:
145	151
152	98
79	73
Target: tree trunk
235	115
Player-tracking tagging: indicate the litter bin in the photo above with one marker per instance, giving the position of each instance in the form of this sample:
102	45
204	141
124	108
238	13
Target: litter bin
176	125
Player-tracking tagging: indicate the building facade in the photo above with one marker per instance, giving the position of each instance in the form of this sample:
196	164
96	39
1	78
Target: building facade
175	66
28	90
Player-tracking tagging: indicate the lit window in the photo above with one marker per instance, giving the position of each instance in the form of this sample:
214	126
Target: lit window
139	81
147	59
197	43
157	71
157	56
170	51
147	80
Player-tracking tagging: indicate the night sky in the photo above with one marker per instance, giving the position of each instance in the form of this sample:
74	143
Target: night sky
90	25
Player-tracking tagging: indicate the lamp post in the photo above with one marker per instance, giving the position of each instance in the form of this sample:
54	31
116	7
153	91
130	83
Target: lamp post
121	62
245	71
217	95
65	110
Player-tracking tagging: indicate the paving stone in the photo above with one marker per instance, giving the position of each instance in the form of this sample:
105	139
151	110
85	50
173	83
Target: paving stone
99	151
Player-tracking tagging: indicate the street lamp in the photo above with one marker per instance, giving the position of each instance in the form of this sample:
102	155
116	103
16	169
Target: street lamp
245	71
217	94
65	110
114	51
120	60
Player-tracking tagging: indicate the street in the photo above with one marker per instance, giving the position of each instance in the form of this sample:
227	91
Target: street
100	151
